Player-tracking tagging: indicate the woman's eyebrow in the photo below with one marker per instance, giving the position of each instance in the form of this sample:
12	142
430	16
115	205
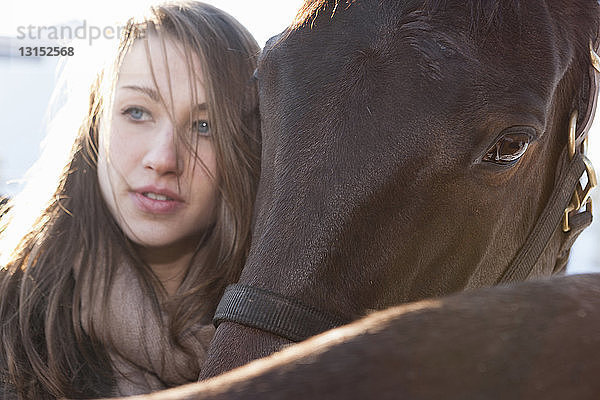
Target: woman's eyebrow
153	94
148	91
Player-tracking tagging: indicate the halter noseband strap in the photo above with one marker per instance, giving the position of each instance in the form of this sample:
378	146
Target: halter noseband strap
272	312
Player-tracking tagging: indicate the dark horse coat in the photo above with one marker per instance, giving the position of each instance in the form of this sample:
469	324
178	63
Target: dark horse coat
414	149
535	340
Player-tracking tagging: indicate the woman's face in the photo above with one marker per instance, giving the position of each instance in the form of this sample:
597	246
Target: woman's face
157	190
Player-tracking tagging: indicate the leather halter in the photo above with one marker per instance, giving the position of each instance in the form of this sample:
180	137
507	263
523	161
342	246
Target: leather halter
568	190
289	318
268	311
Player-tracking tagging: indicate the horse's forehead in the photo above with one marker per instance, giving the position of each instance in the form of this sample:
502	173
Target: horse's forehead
421	37
418	52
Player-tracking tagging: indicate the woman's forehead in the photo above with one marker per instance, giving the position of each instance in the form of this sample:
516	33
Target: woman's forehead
161	64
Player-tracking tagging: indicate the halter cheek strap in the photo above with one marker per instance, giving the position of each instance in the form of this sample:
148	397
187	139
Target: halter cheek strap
550	219
577	215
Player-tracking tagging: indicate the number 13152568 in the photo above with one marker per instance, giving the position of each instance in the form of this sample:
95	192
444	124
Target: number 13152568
46	51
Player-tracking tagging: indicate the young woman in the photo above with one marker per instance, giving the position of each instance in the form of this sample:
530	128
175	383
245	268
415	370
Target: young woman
111	291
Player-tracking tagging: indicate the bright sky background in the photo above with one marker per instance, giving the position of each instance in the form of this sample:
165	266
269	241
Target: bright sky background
264	18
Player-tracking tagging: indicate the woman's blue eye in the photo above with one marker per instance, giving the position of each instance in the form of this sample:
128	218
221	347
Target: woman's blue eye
201	127
137	114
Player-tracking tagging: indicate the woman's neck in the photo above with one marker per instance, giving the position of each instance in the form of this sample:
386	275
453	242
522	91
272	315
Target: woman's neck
170	263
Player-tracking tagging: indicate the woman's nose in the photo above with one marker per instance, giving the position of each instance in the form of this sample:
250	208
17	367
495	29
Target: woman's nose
162	155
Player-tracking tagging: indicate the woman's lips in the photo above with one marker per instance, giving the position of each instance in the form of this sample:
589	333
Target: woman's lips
156	202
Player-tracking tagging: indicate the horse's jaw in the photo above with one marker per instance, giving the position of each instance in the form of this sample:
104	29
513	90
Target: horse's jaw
238	345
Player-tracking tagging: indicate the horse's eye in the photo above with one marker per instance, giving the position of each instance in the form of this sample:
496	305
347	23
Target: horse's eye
508	149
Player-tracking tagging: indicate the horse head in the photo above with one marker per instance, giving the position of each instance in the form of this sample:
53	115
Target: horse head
413	149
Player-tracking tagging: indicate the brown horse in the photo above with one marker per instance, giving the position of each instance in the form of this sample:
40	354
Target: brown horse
413	149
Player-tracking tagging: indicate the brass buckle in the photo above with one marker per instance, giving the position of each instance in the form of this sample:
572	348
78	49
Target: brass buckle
594	57
581	196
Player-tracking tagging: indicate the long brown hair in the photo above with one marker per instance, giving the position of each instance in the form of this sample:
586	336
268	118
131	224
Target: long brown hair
45	351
